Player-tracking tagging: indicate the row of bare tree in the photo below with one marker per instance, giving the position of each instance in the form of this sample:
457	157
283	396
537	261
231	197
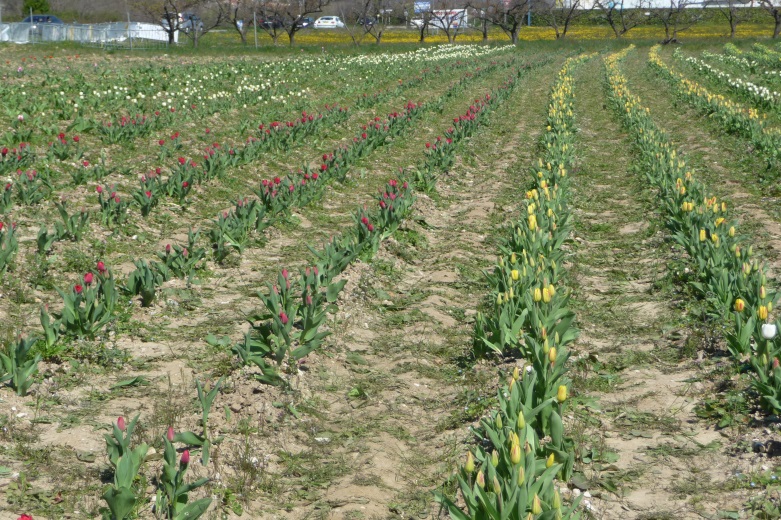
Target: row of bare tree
369	19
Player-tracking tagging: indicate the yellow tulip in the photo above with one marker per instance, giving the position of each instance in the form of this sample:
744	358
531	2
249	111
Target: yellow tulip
561	395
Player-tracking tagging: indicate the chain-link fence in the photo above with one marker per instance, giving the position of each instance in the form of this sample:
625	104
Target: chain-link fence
110	35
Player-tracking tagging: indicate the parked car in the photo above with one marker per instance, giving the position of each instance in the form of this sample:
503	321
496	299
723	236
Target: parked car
303	23
40	19
272	22
367	22
329	22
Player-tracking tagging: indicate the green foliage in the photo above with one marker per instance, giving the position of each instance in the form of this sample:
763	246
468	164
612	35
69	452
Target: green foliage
37	6
17	365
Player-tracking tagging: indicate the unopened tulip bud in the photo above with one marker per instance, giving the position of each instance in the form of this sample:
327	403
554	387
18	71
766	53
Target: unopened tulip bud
546	296
170	434
495	458
185	457
703	236
536	505
556	502
498	421
497	486
121	423
762	312
552	355
481	479
537	294
561	395
515	274
469	467
513	258
732	231
499	299
515	453
762	292
551	460
521	476
521	424
739	305
516	373
545	346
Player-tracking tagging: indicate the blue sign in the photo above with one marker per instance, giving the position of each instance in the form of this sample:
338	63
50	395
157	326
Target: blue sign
422	7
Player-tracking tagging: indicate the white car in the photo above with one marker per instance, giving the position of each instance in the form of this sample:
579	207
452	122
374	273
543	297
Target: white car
329	22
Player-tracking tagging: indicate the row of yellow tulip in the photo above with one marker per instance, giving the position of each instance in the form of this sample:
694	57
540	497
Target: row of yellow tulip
734	117
723	271
521	448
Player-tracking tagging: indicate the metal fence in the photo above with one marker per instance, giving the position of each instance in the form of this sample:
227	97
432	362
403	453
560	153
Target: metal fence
110	35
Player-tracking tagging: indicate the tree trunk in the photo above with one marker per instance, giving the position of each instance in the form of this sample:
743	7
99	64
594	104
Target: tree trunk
291	35
733	25
777	27
422	33
485	31
514	36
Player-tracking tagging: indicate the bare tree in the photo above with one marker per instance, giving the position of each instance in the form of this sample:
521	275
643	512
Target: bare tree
422	25
732	11
773	8
166	13
212	16
239	13
623	15
449	20
508	15
559	16
676	18
287	16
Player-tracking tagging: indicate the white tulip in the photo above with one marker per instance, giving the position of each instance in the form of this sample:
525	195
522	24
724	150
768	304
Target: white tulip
769	330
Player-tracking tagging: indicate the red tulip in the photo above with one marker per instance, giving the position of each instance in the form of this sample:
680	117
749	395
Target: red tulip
88	278
98	189
182	160
78	288
283	318
121	423
25	517
185	457
75	138
101	267
170	435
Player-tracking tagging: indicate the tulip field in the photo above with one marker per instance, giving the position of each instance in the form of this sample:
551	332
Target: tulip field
462	281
